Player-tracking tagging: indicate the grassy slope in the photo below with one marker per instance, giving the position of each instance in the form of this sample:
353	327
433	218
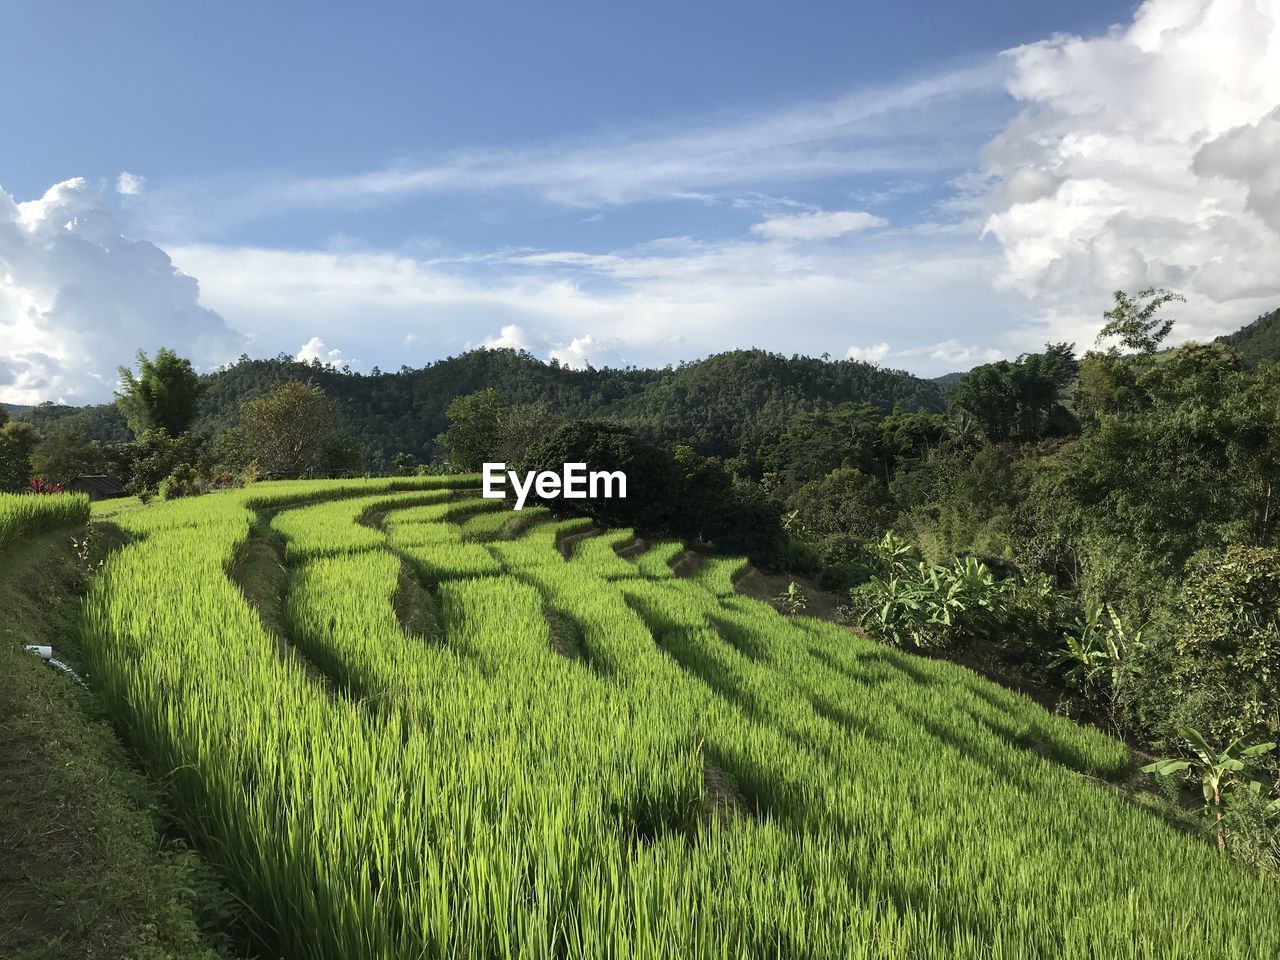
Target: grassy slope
85	873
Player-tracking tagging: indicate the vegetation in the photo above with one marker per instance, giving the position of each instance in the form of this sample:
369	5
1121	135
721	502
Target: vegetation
1218	771
92	869
290	430
163	396
593	757
24	514
1259	341
18	441
1101	529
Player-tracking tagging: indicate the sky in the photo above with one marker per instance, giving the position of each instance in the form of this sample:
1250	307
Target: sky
924	185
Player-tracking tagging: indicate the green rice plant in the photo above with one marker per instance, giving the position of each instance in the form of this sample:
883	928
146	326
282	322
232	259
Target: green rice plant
719	574
22	514
540	544
452	511
598	556
583	766
502	524
659	558
335	526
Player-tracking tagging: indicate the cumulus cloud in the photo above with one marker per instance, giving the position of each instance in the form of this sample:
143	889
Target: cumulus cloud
954	355
1248	154
1145	157
872	354
819	225
78	299
129	184
579	352
510	337
317	349
588	351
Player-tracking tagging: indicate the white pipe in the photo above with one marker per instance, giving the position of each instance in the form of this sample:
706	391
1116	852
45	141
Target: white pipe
45	653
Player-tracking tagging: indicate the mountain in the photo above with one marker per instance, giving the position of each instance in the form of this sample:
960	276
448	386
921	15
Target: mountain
1259	340
15	408
719	405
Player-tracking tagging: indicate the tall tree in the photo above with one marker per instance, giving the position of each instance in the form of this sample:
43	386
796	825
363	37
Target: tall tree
1133	319
17	442
163	395
475	428
291	429
1020	398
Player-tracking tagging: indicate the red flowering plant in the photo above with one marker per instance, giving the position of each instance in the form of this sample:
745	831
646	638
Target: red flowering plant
42	486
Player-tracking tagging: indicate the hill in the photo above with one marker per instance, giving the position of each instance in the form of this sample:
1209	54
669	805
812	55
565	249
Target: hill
1259	340
718	404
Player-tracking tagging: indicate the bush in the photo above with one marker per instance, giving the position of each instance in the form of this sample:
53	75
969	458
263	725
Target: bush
1226	645
908	603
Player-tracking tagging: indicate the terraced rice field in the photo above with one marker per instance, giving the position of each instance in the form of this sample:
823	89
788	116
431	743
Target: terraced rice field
24	514
463	743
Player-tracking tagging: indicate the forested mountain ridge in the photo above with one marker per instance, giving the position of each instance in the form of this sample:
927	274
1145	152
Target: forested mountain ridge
719	404
1257	341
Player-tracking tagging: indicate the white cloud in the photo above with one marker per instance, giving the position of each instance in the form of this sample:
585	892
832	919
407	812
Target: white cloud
943	357
656	303
1248	155
578	352
510	337
873	354
78	299
876	129
317	349
954	355
129	184
588	351
820	225
1144	157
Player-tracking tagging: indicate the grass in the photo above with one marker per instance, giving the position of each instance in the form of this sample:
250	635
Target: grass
592	757
87	872
23	514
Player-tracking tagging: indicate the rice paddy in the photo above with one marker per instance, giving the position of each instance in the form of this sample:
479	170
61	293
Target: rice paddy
584	755
23	514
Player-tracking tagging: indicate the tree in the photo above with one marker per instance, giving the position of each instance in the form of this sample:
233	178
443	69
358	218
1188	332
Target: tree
156	456
475	425
1226	669
64	453
653	484
1020	398
17	442
1134	321
844	503
484	428
291	429
164	395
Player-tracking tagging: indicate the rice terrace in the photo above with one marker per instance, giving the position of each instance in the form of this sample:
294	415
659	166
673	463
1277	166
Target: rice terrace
471	732
640	481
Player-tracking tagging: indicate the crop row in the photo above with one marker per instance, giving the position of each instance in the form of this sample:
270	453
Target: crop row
22	514
596	758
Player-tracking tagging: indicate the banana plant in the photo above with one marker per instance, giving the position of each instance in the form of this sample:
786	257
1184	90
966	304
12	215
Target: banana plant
792	600
1218	771
1099	657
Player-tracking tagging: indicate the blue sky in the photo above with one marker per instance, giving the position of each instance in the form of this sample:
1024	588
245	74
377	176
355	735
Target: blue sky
925	185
